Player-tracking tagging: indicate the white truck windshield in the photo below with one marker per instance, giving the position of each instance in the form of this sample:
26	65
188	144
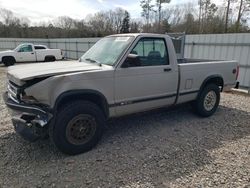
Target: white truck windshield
107	50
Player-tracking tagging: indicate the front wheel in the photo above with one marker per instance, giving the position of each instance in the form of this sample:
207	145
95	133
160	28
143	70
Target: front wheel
8	61
208	100
78	127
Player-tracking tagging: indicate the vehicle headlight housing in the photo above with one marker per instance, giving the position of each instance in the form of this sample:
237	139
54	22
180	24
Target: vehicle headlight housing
28	99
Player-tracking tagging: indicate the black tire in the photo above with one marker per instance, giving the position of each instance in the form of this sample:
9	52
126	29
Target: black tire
49	59
8	61
207	101
69	134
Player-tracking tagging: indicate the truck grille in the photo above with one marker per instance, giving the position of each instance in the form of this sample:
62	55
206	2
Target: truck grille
13	92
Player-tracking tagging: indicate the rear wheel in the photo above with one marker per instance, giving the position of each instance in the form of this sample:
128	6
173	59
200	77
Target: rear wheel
49	59
208	100
8	61
78	127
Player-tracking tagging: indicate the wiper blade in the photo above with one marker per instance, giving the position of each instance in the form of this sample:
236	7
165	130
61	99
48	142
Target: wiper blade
93	61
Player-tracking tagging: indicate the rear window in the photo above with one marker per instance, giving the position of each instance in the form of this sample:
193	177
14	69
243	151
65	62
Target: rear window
40	48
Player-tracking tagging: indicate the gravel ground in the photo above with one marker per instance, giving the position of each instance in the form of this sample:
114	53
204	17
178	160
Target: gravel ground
162	148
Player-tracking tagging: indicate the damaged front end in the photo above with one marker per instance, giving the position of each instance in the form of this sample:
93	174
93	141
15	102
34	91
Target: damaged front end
29	120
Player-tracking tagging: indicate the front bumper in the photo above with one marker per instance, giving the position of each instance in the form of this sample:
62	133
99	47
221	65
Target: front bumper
29	121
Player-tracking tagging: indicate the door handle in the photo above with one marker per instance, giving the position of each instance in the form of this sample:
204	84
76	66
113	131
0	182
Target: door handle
167	69
32	52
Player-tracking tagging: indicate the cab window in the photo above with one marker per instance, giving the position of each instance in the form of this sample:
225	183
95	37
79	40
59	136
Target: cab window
39	48
25	48
151	52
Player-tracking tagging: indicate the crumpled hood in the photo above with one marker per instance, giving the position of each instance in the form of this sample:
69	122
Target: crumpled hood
20	73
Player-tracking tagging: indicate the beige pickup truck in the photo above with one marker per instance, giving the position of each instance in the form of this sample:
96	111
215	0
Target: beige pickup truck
121	74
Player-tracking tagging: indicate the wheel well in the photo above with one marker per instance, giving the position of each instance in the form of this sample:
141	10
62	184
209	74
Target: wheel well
218	80
93	97
50	57
8	57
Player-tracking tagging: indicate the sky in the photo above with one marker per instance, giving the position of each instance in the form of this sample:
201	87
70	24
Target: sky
45	10
38	11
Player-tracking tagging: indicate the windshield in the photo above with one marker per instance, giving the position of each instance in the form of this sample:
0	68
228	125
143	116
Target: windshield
107	50
15	49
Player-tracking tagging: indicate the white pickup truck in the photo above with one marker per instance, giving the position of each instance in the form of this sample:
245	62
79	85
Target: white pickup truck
30	53
120	75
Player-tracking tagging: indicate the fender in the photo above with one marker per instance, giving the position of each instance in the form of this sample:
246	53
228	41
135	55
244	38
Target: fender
83	94
8	57
207	80
11	56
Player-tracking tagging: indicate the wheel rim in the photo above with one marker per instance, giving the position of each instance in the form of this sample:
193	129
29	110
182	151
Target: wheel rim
210	100
81	129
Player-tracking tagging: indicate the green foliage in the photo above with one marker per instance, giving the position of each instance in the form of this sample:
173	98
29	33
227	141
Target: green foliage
147	7
126	23
208	18
165	26
159	6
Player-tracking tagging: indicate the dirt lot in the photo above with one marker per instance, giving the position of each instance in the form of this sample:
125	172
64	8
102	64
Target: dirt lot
163	148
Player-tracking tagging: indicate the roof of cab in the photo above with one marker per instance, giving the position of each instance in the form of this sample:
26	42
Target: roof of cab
139	34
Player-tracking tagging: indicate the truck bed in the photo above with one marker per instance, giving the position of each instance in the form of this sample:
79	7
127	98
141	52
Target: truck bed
194	71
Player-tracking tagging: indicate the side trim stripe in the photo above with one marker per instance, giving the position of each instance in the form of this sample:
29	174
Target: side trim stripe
150	99
189	92
154	98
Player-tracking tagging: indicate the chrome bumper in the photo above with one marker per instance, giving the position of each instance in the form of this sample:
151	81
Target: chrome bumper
28	120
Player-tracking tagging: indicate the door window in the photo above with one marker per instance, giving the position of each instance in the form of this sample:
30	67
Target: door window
25	48
151	52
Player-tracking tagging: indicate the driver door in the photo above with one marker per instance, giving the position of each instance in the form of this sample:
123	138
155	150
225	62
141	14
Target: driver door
26	54
149	83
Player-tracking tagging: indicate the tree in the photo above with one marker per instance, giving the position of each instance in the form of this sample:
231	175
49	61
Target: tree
200	12
135	27
227	15
98	24
118	16
208	18
159	6
24	22
125	23
177	15
244	6
239	16
206	13
228	11
8	17
64	22
147	8
189	23
166	27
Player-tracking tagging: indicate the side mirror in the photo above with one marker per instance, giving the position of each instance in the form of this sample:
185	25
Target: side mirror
132	60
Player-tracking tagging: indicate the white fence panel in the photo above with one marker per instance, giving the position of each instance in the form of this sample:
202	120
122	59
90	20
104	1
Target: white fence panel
73	48
222	47
210	46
